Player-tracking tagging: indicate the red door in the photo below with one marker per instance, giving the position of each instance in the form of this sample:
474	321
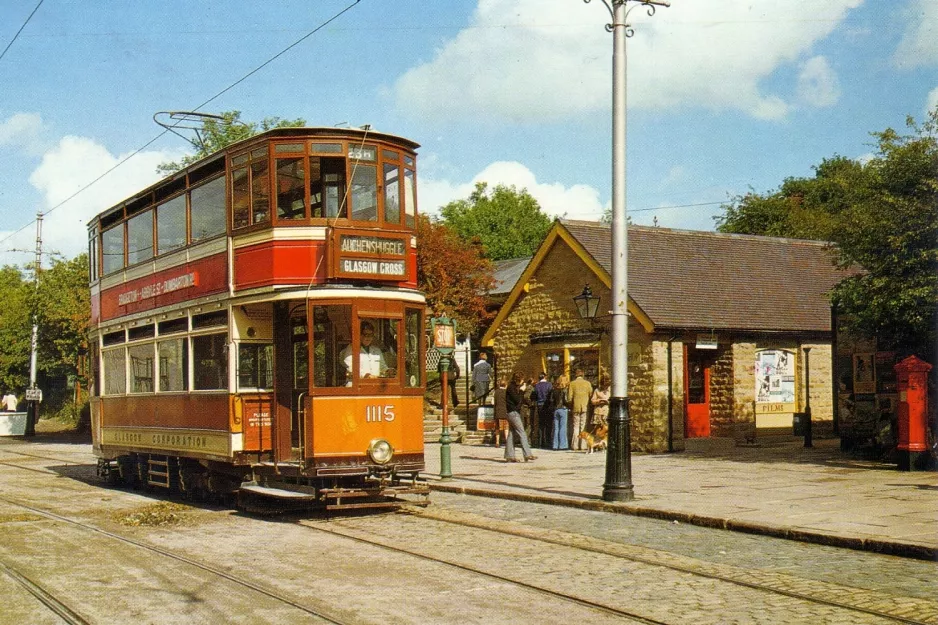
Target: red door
696	392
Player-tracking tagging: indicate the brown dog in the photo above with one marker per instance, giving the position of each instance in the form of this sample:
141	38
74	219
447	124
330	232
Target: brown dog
595	439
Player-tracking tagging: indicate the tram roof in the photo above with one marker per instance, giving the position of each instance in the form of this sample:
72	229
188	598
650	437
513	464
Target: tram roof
307	132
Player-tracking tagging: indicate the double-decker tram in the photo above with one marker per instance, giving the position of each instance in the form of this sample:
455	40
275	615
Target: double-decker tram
256	325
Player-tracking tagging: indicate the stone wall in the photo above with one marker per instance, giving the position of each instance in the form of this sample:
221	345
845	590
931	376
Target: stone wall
744	396
722	392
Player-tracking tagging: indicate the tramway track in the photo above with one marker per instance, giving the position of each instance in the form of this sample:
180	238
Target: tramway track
61	609
768	582
253	586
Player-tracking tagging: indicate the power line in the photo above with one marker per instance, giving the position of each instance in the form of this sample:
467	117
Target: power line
214	97
2	54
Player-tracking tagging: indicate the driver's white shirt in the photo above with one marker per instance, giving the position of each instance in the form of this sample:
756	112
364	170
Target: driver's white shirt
370	361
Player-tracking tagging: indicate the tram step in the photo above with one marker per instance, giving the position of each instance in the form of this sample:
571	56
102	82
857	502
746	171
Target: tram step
158	473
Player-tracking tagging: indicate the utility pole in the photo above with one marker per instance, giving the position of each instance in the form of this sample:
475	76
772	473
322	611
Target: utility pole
33	394
618	485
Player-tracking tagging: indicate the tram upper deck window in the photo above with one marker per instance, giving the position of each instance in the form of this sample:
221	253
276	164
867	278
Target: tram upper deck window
112	248
93	254
171	225
392	194
250	198
291	188
140	238
364	192
410	199
207	206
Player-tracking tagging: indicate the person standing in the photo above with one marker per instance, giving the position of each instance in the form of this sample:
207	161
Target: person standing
545	415
559	403
452	374
9	402
514	399
481	375
580	392
501	413
600	401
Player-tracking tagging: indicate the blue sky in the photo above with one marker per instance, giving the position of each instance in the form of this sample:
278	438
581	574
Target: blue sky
723	96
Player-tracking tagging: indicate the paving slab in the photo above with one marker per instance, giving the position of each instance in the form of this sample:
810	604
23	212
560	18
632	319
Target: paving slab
818	495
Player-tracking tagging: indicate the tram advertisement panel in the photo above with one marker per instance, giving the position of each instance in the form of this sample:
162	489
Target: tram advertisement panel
369	255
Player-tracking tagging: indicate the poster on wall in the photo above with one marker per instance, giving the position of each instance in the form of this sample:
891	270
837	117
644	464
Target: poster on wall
775	381
864	374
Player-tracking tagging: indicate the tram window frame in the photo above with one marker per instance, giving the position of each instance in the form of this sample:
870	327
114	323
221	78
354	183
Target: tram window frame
414	339
202	367
291	213
173	368
381	326
173	326
332	333
114	338
214	319
392	193
115	382
250	187
260	375
202	206
93	260
363	189
112	250
410	198
142	332
138	250
142	377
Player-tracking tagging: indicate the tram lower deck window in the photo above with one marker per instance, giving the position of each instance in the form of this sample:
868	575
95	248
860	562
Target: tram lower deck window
255	366
210	362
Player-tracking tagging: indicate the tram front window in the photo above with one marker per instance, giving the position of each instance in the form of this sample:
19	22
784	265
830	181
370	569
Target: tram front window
377	352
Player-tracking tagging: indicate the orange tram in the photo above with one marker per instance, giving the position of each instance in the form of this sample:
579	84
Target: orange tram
256	326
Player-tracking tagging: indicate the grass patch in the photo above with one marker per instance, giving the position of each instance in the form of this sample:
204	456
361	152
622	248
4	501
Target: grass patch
156	515
22	517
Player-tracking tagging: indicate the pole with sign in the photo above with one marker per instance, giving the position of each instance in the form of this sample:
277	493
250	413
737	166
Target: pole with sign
443	330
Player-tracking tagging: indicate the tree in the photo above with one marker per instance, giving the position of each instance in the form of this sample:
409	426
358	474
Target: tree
882	216
15	328
508	223
453	274
218	134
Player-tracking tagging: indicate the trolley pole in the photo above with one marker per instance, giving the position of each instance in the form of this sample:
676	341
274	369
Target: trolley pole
618	485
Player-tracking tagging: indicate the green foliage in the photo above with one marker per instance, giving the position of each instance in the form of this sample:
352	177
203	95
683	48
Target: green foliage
62	307
507	222
882	216
15	329
453	274
217	135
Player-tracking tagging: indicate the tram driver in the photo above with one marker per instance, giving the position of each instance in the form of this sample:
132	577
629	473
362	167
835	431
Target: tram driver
371	361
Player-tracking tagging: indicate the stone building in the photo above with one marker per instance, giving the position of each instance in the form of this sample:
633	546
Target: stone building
718	328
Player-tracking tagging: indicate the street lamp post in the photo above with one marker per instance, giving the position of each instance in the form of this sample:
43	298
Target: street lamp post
618	485
443	330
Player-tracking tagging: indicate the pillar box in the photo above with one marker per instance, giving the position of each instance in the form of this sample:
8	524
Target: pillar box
912	384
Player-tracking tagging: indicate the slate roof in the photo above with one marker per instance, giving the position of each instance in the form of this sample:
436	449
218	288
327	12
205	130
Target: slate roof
709	280
507	273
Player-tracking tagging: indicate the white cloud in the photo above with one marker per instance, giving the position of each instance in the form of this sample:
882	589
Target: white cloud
931	101
817	83
576	202
67	167
23	131
919	43
548	59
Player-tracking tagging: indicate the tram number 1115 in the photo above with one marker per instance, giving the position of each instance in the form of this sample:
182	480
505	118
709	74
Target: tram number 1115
374	414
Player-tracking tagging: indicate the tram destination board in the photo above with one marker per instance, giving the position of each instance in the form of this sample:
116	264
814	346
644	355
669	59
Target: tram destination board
367	255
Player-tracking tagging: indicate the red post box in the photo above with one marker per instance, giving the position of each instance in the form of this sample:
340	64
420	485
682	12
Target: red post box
912	384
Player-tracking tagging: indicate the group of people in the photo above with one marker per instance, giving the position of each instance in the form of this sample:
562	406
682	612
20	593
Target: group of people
539	413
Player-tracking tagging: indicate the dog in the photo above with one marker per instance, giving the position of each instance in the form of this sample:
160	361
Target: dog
595	439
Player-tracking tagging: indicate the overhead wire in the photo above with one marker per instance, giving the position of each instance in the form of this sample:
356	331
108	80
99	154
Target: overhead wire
9	45
211	99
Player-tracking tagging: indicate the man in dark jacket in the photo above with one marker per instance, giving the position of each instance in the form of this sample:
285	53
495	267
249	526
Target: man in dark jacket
545	412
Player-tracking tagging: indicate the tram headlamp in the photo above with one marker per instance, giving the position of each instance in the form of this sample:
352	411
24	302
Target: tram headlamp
380	451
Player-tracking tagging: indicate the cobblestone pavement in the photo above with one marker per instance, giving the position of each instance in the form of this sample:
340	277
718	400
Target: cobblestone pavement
656	584
820	494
